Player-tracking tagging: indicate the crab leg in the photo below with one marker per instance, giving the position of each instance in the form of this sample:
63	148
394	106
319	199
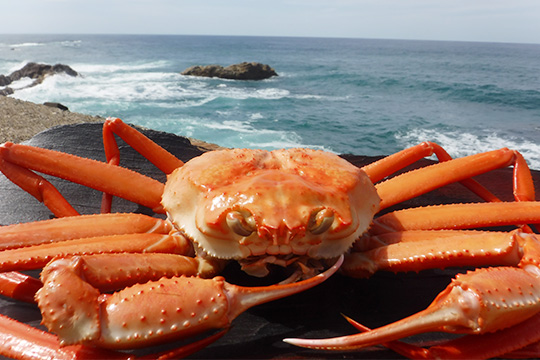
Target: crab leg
35	257
170	308
416	250
458	216
388	165
19	286
423	180
111	179
38	187
75	227
31	245
19	338
511	344
23	287
158	156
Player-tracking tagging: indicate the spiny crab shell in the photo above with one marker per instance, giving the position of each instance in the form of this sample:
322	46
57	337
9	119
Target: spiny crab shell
245	204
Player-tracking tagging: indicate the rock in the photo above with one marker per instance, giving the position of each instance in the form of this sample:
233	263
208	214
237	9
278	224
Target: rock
6	91
243	71
40	71
4	80
205	71
34	71
56	105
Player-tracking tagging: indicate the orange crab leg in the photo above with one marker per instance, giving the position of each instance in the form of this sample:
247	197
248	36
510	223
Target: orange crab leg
35	257
23	287
19	286
388	165
461	249
501	343
38	187
157	155
21	341
75	227
510	343
458	216
111	179
154	153
423	180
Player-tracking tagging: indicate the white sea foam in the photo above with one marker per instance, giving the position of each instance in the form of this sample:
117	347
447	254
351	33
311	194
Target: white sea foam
459	144
143	86
86	68
144	82
26	44
22	83
71	43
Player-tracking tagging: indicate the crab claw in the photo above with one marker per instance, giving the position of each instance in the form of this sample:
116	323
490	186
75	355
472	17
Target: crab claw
478	302
167	309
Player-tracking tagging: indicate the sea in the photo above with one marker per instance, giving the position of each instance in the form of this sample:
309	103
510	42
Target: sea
358	96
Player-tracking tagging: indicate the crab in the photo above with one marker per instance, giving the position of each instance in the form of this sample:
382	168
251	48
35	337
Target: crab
118	281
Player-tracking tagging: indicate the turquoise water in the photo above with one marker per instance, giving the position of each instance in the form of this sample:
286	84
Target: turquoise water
356	96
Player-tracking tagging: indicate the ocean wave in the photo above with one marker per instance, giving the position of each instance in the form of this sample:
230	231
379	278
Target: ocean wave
146	86
150	82
27	44
71	43
459	144
200	87
488	94
229	133
87	68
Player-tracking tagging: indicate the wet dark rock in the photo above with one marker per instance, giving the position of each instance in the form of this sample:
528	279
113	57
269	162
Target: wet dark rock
6	91
242	71
40	71
35	71
4	80
56	106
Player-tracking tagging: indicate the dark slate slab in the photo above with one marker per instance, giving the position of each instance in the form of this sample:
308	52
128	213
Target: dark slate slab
257	333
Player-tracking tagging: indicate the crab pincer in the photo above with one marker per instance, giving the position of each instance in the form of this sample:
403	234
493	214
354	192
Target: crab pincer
150	313
478	302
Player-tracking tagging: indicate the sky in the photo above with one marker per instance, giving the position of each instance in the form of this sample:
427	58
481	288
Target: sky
461	20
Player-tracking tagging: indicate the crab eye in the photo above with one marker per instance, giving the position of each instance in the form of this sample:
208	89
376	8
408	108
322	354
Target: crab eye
320	221
241	222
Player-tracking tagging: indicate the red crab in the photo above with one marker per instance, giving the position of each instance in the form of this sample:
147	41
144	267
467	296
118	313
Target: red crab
298	208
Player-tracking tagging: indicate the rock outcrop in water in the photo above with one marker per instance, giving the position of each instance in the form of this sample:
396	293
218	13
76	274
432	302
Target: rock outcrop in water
243	71
35	71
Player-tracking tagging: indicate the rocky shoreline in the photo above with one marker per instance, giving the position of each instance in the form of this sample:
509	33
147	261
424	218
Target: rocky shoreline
21	120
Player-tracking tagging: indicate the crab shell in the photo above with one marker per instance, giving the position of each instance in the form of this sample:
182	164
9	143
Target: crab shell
242	203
